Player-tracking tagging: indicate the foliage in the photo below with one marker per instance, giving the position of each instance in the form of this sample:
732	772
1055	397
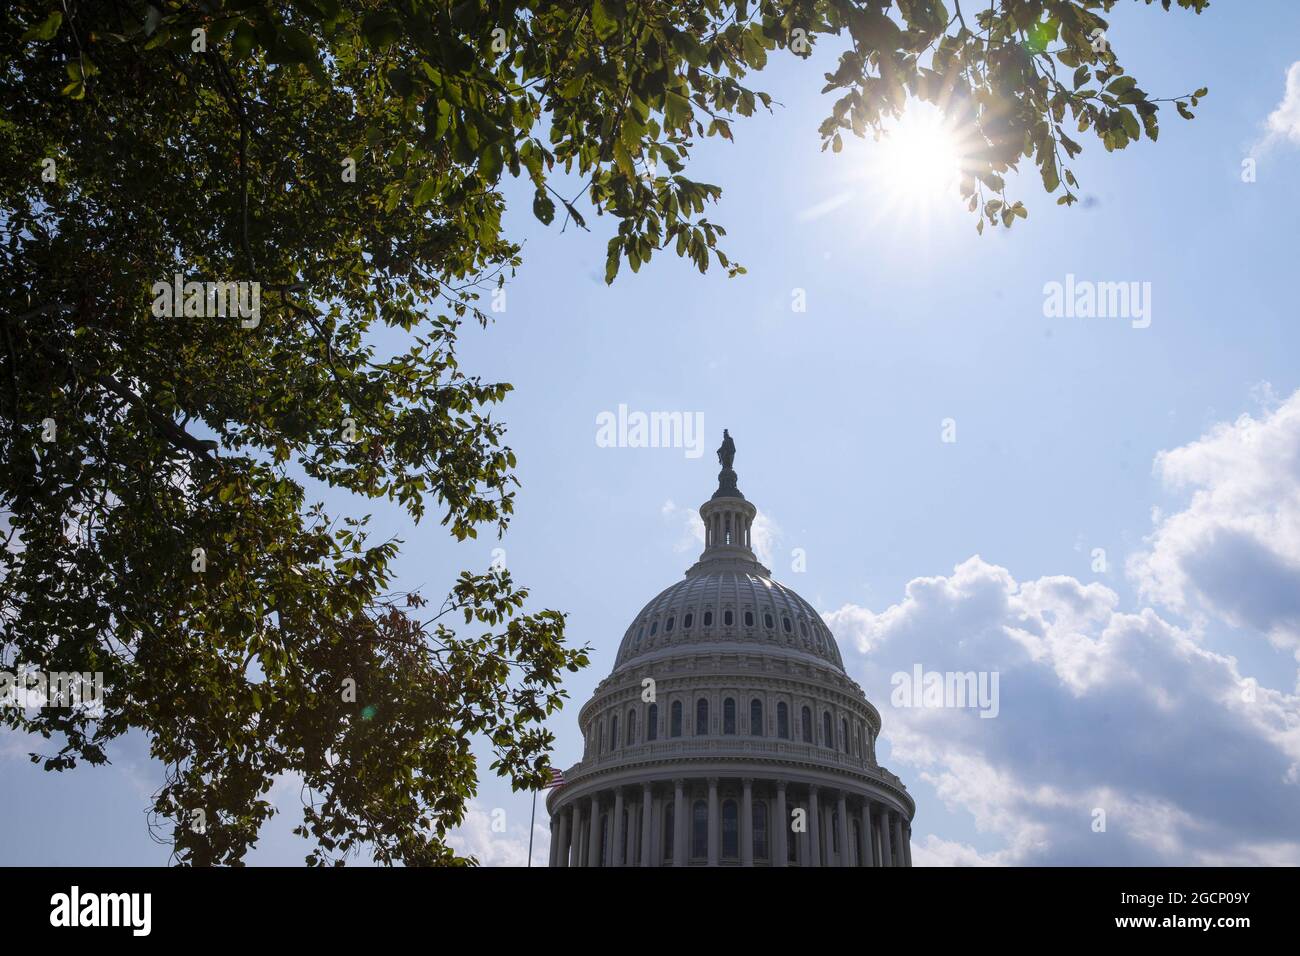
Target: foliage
349	157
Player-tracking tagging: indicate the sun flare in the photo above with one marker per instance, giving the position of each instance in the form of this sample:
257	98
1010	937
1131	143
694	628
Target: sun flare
917	161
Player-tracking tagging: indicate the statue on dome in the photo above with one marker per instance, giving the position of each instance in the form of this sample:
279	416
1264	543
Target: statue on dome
727	451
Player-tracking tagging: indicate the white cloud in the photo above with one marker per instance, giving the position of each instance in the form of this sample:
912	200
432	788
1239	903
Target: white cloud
1283	124
763	535
1234	551
477	837
1099	709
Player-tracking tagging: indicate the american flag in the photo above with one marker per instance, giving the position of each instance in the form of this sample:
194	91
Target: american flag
557	779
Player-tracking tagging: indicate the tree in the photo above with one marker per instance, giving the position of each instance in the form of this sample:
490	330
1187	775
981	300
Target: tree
216	213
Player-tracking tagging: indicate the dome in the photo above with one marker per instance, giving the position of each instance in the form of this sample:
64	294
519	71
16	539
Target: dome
722	608
728	732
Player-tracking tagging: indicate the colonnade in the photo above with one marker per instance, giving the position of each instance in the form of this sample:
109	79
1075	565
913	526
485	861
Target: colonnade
716	821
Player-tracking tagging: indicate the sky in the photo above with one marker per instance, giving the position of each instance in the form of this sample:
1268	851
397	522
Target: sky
1114	531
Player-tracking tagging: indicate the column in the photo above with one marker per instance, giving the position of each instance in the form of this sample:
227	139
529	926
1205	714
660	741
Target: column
561	855
575	841
897	819
814	831
780	828
647	815
842	808
680	849
616	830
632	855
907	845
593	833
868	837
554	852
828	835
747	824
715	822
886	838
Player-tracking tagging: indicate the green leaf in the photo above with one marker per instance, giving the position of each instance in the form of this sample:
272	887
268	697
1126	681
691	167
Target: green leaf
543	207
426	191
46	29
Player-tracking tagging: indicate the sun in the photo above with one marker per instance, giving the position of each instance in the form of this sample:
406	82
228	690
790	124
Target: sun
917	161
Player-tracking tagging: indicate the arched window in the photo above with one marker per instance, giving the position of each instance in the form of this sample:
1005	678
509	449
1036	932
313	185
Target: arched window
640	633
749	619
785	625
767	621
654	626
760	830
727	618
729	716
805	720
844	726
668	625
600	739
631	729
708	618
730	830
756	717
675	717
700	829
686	621
669	831
613	732
701	717
828	739
782	720
652	723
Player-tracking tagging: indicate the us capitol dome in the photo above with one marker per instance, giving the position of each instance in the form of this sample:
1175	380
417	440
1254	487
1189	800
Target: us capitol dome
728	732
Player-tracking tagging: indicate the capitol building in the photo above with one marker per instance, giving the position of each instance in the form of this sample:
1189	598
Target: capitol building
728	732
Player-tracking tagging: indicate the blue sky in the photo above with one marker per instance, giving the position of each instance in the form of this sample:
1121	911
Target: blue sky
1118	687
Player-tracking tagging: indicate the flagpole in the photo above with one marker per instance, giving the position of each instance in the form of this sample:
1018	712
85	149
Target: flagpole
531	825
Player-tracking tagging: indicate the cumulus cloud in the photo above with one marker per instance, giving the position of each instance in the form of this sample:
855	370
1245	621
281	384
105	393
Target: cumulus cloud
493	840
1101	712
1283	124
1234	551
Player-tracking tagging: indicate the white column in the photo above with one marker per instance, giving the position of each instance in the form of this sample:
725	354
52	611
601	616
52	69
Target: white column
747	824
898	838
554	854
715	822
780	828
647	816
593	833
575	838
616	830
868	838
842	808
886	838
814	831
560	856
828	836
907	845
680	849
